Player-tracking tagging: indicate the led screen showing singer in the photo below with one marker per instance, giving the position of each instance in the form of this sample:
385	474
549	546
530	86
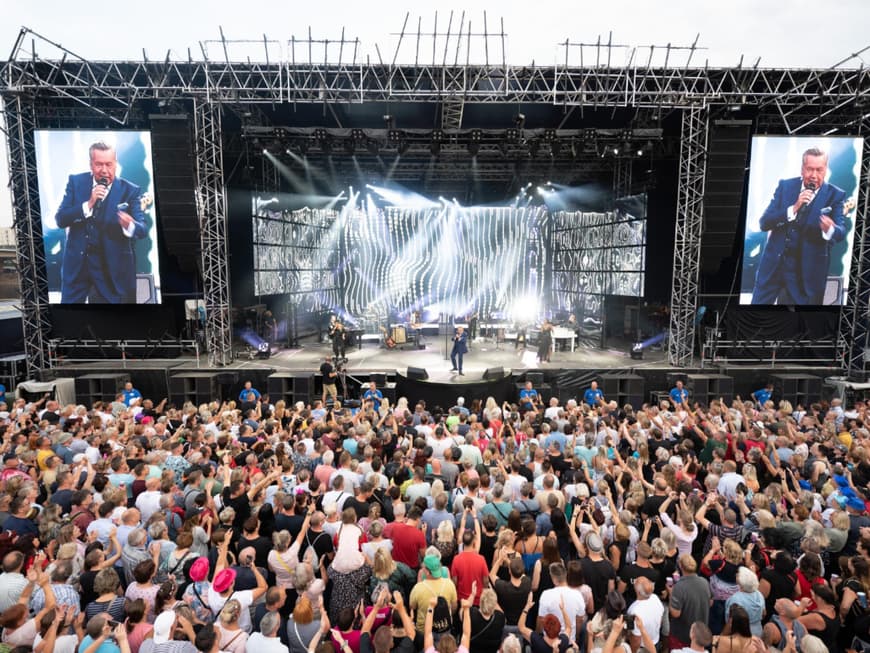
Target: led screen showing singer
99	231
798	241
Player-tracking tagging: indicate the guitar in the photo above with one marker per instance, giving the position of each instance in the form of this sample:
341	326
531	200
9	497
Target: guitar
388	341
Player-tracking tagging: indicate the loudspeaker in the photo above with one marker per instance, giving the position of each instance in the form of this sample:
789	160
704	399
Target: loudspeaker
493	373
417	373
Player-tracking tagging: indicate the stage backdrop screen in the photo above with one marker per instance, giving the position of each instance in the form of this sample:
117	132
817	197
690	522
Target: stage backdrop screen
99	223
800	219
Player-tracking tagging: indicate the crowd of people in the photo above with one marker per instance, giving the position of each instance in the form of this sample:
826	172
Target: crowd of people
544	526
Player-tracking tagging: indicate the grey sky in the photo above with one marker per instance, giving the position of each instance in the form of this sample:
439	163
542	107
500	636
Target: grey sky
786	33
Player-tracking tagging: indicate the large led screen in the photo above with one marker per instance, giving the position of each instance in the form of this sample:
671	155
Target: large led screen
800	220
99	223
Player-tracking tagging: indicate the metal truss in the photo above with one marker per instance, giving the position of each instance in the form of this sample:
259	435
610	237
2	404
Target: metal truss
622	177
687	235
20	125
212	207
854	328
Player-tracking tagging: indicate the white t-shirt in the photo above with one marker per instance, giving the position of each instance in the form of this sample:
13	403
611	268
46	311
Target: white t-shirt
148	503
245	598
651	611
574	604
259	643
63	644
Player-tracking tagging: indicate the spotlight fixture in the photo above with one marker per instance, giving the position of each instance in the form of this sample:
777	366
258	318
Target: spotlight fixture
474	143
549	135
357	134
389	121
263	350
435	143
520	120
512	135
394	136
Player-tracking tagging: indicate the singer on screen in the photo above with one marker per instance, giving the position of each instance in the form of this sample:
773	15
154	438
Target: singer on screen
804	218
102	214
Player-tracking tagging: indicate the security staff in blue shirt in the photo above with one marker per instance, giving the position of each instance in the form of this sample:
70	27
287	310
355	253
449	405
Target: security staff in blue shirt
529	398
763	395
131	395
679	396
593	396
249	389
373	393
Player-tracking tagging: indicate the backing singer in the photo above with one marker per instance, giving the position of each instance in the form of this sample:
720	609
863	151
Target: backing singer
102	215
804	218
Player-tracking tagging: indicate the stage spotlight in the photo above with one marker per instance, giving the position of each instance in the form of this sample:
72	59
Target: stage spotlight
520	120
637	351
389	120
394	136
474	143
435	144
263	350
512	135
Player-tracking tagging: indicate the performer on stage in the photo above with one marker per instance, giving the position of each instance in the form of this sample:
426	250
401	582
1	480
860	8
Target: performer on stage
460	347
270	328
415	321
327	369
472	326
545	342
338	336
102	214
804	218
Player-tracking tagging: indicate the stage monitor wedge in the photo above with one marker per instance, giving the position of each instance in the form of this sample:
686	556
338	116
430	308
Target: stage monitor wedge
418	373
493	373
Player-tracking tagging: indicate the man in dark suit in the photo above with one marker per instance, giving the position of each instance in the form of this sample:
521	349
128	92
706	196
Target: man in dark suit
102	215
804	218
460	348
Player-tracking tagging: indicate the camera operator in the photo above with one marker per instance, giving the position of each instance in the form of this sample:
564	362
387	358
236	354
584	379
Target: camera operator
330	375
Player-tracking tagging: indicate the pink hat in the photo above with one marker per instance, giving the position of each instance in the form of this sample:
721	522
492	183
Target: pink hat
224	580
199	569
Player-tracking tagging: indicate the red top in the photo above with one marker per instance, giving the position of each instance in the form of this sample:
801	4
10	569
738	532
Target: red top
408	543
469	567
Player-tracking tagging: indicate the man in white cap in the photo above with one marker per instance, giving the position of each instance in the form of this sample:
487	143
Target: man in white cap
166	626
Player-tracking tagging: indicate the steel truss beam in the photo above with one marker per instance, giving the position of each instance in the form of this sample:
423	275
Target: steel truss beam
20	125
212	207
854	327
687	235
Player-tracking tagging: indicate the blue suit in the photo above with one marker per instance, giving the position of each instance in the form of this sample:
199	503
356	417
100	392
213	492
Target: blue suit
99	265
460	347
795	262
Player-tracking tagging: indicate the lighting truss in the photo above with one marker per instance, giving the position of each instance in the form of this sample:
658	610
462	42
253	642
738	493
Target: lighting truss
687	235
656	79
853	327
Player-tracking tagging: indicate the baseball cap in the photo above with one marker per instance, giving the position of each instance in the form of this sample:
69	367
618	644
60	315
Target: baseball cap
163	626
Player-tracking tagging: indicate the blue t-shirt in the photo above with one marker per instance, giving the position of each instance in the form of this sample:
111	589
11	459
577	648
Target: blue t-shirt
762	396
527	397
373	394
106	647
243	395
679	396
130	395
592	397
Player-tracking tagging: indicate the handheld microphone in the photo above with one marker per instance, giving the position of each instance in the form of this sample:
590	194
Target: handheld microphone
803	209
102	181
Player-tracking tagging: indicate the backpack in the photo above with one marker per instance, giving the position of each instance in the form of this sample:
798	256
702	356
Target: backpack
442	617
311	552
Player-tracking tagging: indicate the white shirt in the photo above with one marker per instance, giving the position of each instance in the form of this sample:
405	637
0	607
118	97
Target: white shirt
728	483
92	454
574	604
11	586
88	212
259	643
650	612
245	597
791	216
148	503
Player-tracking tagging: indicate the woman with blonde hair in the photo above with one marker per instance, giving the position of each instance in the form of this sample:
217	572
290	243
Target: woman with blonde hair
722	562
685	529
751	476
401	408
396	576
232	638
284	556
445	542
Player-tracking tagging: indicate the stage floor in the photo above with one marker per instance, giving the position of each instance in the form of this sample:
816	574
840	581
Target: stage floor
481	356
